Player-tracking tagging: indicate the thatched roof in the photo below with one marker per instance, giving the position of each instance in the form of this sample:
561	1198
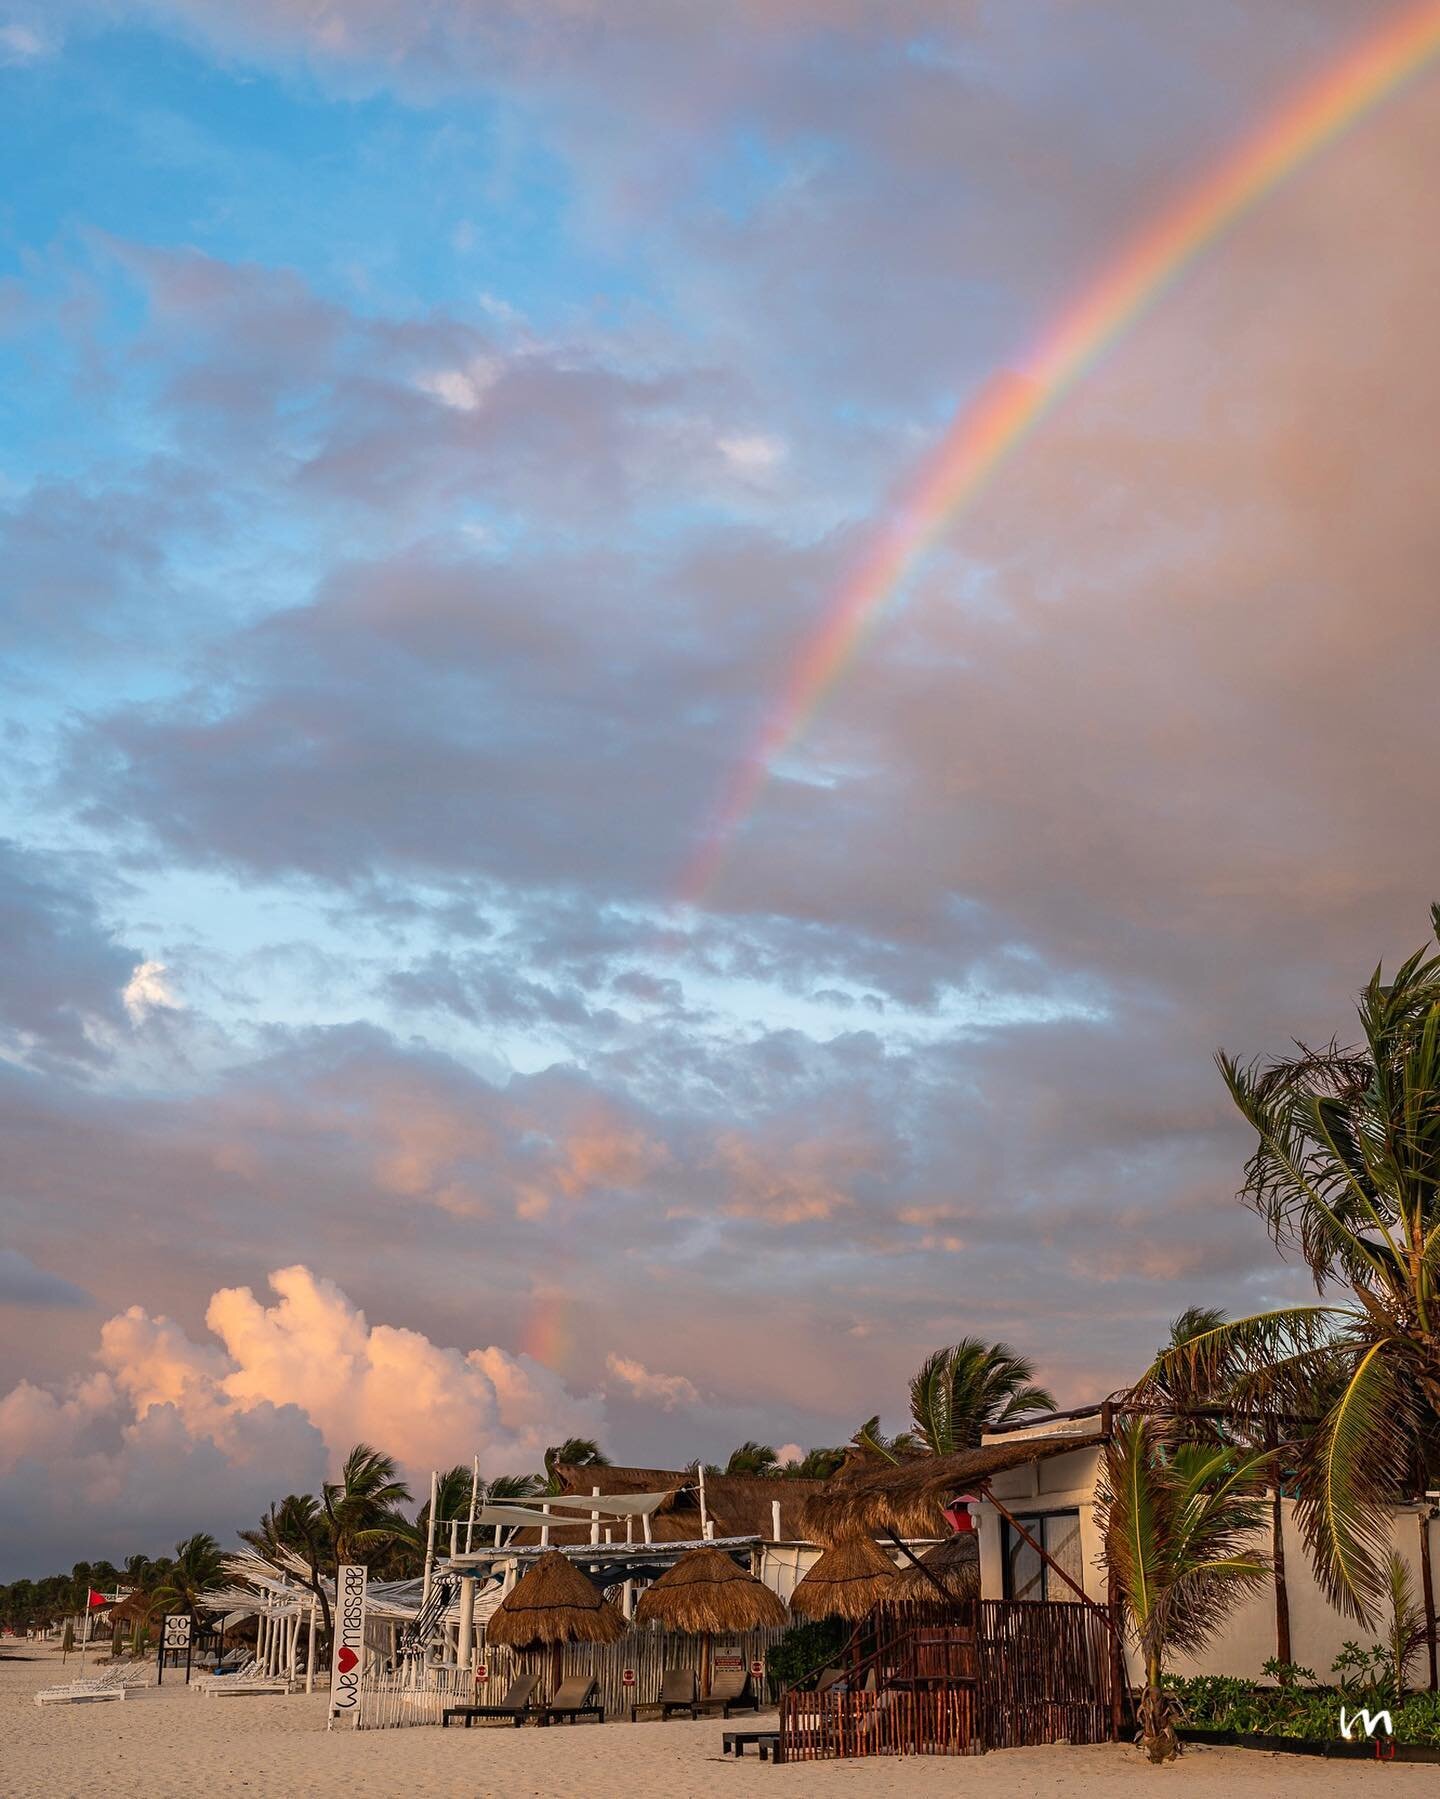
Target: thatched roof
954	1562
907	1497
705	1591
740	1505
849	1580
553	1603
133	1608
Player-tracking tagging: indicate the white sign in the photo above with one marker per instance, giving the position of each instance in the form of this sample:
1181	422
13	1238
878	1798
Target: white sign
757	1668
177	1631
349	1654
627	1677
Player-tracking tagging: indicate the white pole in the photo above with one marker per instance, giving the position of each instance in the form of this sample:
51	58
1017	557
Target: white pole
430	1535
466	1645
85	1625
704	1515
775	1519
594	1518
310	1653
545	1527
645	1521
474	1495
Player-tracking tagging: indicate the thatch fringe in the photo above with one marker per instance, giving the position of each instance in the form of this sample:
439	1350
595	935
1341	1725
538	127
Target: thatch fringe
553	1603
849	1580
705	1592
954	1562
907	1497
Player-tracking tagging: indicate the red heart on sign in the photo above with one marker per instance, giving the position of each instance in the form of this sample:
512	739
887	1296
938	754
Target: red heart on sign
346	1659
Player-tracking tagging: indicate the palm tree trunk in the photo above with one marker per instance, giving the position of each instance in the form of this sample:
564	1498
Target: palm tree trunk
1157	1727
1427	1589
1277	1558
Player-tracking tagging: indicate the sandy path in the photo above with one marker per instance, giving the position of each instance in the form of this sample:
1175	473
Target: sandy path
167	1743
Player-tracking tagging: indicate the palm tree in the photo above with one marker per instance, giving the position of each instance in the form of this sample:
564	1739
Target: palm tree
1347	1172
753	1458
298	1524
578	1452
197	1567
362	1507
874	1445
815	1464
957	1394
1179	1522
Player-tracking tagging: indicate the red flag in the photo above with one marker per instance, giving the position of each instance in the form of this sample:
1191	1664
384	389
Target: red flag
97	1598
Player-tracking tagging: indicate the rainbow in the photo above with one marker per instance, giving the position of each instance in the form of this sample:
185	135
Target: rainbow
1009	408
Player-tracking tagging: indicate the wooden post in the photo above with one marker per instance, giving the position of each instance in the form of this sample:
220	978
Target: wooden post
310	1652
1427	1588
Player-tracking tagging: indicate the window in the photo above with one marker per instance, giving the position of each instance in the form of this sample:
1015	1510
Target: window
1026	1575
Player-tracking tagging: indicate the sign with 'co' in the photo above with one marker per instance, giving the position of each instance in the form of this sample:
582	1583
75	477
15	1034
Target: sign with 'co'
348	1660
177	1631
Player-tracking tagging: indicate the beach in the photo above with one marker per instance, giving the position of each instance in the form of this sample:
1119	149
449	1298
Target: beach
169	1741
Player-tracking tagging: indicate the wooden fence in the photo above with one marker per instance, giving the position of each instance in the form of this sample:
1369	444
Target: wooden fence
393	1700
1045	1673
649	1652
937	1720
927	1679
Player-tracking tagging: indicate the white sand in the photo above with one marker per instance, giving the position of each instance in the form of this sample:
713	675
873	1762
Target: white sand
170	1742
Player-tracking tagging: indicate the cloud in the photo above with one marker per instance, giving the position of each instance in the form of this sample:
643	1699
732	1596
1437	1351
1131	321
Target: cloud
665	1390
23	1284
22	44
63	971
148	990
169	1429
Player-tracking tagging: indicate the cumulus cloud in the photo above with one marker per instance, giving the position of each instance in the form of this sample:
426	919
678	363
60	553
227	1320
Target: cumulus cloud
170	1429
665	1390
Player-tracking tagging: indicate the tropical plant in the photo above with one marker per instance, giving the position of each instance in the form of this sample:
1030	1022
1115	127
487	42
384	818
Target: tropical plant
874	1445
815	1464
959	1393
1179	1523
1405	1632
362	1507
297	1525
197	1567
578	1452
1347	1172
753	1458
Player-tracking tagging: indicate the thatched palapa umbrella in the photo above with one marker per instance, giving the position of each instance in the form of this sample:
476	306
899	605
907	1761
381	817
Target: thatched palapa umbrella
552	1605
706	1593
954	1563
850	1579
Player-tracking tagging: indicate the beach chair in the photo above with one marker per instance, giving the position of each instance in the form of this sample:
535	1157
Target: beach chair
250	1682
677	1694
515	1705
574	1699
731	1691
241	1670
112	1684
828	1678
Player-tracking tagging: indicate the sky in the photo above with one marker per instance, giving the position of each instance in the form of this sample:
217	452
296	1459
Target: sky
428	438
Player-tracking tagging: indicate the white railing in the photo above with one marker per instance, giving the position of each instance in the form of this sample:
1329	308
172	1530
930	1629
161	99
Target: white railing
411	1696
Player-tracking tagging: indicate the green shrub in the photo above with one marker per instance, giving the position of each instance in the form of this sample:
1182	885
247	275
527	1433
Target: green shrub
805	1649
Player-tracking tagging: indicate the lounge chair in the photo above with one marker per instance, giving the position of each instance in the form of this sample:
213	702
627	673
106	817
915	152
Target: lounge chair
117	1680
574	1699
828	1678
514	1706
731	1692
677	1694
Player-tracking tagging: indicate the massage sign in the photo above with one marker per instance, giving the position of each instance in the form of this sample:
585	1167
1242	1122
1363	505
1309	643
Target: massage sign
349	1656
